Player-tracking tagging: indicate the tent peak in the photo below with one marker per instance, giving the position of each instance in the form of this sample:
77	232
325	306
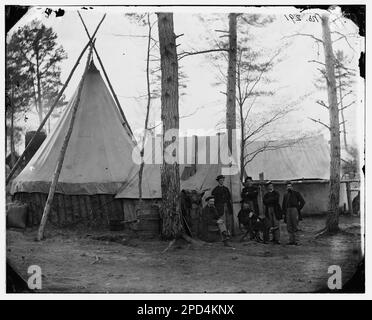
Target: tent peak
92	67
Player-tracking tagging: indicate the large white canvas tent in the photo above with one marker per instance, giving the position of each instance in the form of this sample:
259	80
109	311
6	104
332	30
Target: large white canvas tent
304	159
97	161
305	162
198	171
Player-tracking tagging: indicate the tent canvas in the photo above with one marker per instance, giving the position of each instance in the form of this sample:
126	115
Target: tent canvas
306	159
98	157
203	179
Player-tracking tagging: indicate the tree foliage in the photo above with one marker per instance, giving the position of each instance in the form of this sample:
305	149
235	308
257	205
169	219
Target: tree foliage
33	60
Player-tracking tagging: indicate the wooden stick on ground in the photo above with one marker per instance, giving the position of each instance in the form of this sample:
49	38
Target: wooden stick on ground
125	124
11	173
61	156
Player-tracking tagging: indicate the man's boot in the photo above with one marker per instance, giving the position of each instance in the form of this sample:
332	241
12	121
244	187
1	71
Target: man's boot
225	238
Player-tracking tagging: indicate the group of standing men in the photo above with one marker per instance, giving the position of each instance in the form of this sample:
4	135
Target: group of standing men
219	209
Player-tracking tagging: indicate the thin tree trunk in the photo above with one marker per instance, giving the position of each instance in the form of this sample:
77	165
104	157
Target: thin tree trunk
231	98
334	180
140	173
342	111
231	80
170	178
38	79
242	143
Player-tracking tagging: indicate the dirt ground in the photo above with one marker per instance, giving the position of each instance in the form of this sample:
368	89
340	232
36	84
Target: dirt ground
86	261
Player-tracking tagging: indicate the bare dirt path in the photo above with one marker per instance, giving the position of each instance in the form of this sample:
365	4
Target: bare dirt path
73	261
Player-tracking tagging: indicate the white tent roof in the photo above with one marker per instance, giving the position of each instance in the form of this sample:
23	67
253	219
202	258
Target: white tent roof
203	179
98	158
308	158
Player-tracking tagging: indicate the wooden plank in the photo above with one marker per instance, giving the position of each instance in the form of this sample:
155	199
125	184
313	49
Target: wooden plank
75	207
68	208
82	207
88	207
103	206
95	207
61	209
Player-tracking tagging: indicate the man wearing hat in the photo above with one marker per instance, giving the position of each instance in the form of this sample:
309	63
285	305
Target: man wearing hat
273	213
293	202
223	203
211	215
250	194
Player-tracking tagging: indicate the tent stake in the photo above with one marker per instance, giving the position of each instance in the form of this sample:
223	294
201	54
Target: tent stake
126	123
53	106
61	156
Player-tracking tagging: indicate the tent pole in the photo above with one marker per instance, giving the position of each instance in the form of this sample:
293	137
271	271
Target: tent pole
126	123
14	168
61	156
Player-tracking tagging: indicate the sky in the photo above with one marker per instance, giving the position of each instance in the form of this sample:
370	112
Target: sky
202	105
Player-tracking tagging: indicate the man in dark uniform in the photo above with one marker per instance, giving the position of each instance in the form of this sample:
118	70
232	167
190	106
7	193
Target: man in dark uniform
250	194
293	202
210	216
251	222
223	203
273	213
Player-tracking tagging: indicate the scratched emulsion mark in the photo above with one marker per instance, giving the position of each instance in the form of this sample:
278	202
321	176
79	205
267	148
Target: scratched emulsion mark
59	12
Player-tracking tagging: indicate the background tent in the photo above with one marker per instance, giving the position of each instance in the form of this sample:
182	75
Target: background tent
200	165
305	159
98	159
306	163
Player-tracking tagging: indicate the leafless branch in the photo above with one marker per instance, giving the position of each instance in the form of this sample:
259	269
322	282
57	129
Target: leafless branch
304	34
322	103
343	36
316	61
270	146
320	122
186	53
342	122
345	95
348	105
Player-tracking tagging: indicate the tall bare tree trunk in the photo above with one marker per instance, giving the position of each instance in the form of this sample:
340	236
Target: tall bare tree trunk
231	98
145	131
39	103
242	143
341	109
334	180
170	178
231	81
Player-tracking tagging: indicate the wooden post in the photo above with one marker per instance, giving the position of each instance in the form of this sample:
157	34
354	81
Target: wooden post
61	156
125	124
260	202
349	199
196	153
52	107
